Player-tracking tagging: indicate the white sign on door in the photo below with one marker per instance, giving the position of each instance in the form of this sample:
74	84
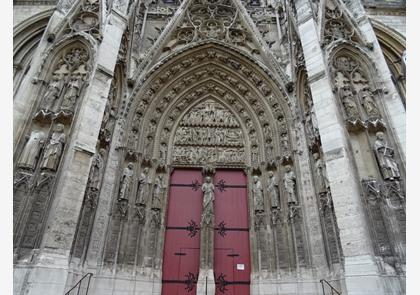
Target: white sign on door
240	266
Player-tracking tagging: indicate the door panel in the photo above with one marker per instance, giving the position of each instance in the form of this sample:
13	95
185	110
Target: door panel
181	258
231	236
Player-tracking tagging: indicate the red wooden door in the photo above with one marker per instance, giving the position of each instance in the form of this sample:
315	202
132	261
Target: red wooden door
232	265
181	258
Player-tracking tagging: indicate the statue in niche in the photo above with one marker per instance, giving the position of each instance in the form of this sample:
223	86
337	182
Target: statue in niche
51	95
270	152
132	139
284	143
322	182
96	170
158	191
314	121
257	193
289	182
208	201
385	158
125	182
54	149
148	149
267	131
72	92
273	190
163	151
143	187
254	154
349	104
368	103
29	157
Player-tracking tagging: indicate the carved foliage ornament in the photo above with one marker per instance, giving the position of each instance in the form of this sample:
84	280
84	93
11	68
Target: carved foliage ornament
86	20
336	24
211	19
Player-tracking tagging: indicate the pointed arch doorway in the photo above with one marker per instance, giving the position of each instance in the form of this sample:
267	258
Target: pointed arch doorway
208	133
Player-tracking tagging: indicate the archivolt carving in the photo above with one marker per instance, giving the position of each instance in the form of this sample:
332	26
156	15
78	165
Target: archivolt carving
228	79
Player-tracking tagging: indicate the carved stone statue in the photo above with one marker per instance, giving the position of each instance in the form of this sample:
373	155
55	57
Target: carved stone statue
72	92
51	95
158	191
366	98
143	187
257	193
96	170
29	157
385	158
273	190
125	182
54	149
349	104
208	201
289	182
322	182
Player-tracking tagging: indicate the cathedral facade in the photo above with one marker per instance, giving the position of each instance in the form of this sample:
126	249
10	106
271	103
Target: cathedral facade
209	147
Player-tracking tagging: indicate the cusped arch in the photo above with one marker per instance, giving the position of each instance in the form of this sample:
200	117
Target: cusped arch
358	54
52	55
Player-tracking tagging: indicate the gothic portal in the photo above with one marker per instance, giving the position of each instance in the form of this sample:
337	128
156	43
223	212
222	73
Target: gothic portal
209	147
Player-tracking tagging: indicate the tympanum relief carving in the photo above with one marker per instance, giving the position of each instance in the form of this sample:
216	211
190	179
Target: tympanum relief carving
209	133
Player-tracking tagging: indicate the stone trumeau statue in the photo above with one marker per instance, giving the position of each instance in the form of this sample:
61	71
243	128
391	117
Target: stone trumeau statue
125	182
29	157
54	149
257	193
208	200
385	157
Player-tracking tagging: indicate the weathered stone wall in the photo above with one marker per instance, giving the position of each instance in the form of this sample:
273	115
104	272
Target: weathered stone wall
25	12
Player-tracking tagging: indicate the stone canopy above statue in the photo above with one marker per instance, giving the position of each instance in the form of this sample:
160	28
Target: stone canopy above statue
209	133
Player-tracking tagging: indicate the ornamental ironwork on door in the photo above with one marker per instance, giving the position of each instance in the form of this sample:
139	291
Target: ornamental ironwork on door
231	233
182	236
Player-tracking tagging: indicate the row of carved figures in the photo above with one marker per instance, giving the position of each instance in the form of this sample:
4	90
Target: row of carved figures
53	149
56	87
288	183
144	183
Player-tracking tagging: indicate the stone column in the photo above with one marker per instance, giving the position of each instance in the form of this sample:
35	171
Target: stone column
49	273
206	283
361	272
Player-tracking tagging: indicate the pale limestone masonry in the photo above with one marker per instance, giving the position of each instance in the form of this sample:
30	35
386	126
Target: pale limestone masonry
111	96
